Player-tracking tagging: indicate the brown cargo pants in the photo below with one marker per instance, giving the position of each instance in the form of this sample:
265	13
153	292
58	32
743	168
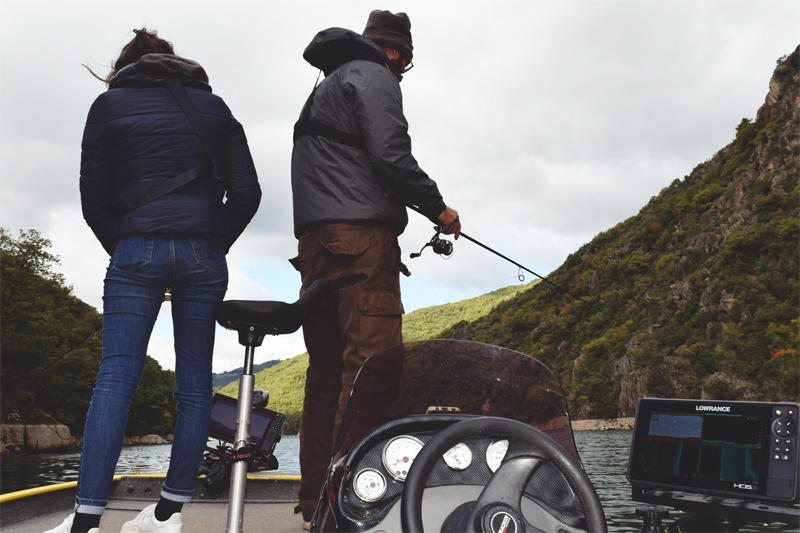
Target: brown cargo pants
362	315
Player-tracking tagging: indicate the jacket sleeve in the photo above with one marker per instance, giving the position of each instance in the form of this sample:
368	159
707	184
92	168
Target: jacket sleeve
97	181
378	108
243	191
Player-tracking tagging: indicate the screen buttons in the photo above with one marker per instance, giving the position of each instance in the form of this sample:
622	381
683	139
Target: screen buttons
783	427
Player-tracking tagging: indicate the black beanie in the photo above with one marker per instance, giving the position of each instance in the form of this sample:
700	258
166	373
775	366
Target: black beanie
390	30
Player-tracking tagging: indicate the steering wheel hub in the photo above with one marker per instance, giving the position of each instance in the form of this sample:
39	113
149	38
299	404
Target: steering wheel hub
502	519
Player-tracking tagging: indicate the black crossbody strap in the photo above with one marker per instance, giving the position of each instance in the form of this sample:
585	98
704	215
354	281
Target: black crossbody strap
306	125
323	130
138	199
201	128
196	120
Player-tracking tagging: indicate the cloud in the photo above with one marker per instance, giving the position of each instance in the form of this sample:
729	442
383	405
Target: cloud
544	123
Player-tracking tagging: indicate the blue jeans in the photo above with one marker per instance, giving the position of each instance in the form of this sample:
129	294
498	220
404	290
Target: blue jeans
142	267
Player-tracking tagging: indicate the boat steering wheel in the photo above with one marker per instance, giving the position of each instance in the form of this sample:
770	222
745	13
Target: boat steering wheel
498	507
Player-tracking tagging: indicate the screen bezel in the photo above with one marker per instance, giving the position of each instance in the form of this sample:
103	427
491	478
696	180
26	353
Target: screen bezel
225	430
647	406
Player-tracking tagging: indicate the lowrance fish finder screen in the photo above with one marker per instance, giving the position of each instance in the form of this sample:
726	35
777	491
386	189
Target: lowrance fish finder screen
726	448
718	450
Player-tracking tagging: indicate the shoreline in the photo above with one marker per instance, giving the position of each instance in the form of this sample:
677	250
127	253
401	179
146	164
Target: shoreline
602	424
39	438
44	438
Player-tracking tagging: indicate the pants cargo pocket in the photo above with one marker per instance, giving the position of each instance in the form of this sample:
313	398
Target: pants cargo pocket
355	245
381	321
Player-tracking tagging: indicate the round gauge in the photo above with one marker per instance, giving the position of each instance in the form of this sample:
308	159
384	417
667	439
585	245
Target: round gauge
459	457
370	485
398	455
495	453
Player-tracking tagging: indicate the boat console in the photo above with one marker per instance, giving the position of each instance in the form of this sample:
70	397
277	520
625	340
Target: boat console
724	462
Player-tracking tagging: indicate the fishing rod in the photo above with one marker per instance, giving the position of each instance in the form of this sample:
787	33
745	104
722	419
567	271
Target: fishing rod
445	248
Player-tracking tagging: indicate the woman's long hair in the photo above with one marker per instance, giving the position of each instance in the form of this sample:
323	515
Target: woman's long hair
143	43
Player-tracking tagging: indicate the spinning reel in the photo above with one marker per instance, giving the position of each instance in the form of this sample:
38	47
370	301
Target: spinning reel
442	247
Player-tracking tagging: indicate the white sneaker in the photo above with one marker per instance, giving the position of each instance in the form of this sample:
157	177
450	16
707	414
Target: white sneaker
66	526
146	522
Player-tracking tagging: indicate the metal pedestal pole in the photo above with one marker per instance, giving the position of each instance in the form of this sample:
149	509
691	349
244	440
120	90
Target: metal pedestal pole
242	439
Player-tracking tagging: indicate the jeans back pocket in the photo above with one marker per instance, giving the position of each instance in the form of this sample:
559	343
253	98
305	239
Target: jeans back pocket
205	255
133	252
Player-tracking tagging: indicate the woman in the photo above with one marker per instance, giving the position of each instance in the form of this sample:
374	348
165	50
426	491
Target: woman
138	138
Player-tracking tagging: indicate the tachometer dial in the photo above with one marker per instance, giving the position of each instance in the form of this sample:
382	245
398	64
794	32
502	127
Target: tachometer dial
459	457
495	453
370	485
399	454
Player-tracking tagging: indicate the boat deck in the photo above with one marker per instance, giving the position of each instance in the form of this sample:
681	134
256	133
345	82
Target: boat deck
269	506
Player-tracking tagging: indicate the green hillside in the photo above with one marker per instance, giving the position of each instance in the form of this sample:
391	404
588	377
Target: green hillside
429	322
703	283
286	380
219	380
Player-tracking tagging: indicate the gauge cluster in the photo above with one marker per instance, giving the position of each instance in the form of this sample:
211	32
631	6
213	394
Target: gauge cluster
375	470
470	462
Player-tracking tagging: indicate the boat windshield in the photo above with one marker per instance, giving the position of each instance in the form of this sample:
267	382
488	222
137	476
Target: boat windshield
453	376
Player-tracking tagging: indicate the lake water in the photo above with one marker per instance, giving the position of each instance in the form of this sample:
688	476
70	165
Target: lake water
604	455
18	473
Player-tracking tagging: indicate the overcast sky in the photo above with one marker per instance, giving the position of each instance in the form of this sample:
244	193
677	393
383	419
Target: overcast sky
544	123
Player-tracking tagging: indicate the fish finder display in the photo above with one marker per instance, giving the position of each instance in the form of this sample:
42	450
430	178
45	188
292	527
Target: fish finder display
264	428
726	448
706	446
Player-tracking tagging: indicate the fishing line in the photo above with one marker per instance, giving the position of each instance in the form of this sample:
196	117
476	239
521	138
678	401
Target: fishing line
449	247
88	337
495	252
480	267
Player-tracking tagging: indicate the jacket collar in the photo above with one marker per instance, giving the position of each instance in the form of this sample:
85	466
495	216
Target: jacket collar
154	70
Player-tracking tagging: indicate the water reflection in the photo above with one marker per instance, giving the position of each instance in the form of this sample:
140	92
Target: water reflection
605	456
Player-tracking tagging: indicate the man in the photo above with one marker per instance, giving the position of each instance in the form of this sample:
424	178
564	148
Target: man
352	173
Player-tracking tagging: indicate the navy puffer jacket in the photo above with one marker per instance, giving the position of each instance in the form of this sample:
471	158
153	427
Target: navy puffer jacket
137	136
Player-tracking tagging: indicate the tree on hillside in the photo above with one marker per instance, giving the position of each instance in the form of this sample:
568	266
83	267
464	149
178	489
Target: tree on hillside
48	336
51	345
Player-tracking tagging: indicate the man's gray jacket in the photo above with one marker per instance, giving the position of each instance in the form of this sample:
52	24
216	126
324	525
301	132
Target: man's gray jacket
360	96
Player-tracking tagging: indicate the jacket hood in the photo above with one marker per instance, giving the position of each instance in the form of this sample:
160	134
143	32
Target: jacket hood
157	69
332	48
